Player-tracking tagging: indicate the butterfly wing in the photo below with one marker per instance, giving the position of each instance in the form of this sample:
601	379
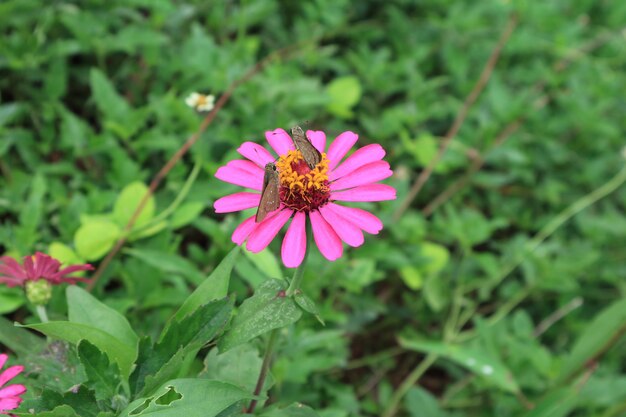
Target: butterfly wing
270	196
311	155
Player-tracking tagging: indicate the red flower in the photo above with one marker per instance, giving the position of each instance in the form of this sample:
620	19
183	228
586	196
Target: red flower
37	267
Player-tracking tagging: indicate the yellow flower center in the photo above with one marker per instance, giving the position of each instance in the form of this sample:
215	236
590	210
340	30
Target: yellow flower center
302	188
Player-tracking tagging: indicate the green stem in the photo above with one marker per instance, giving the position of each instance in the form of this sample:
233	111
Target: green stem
41	312
408	382
269	351
267	360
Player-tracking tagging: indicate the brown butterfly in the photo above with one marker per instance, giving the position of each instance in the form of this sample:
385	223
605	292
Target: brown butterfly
311	155
270	197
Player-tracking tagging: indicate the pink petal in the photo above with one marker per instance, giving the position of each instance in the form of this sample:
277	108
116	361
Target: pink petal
3	359
367	174
280	141
12	391
325	237
10	403
11	268
360	157
29	267
294	244
237	202
74	268
10	373
340	147
318	139
256	153
246	166
347	231
370	192
239	177
267	230
242	231
360	218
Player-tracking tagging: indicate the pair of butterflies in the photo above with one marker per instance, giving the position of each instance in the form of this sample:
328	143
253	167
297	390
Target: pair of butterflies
270	196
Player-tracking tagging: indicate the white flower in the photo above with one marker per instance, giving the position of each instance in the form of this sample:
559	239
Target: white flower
201	102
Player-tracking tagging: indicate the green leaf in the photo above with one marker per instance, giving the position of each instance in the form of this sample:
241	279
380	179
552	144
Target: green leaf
266	262
95	239
107	99
19	340
101	325
168	262
128	201
556	404
10	299
64	254
215	286
181	337
419	402
412	277
239	366
189	398
186	214
597	337
267	309
117	351
294	410
60	411
104	377
473	359
308	305
86	309
344	93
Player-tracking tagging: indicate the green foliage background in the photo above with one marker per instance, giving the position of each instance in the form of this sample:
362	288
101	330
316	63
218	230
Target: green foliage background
92	106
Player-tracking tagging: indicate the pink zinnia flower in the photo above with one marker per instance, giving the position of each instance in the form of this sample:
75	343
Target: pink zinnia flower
306	192
10	395
37	267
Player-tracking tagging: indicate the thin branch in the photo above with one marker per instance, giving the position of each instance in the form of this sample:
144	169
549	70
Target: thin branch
460	117
154	184
546	323
512	127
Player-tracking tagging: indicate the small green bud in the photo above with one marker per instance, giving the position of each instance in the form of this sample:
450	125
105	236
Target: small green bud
38	292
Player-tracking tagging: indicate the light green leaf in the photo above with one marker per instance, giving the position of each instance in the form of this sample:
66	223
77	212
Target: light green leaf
412	277
64	254
267	309
596	338
477	361
189	398
344	93
94	239
128	201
